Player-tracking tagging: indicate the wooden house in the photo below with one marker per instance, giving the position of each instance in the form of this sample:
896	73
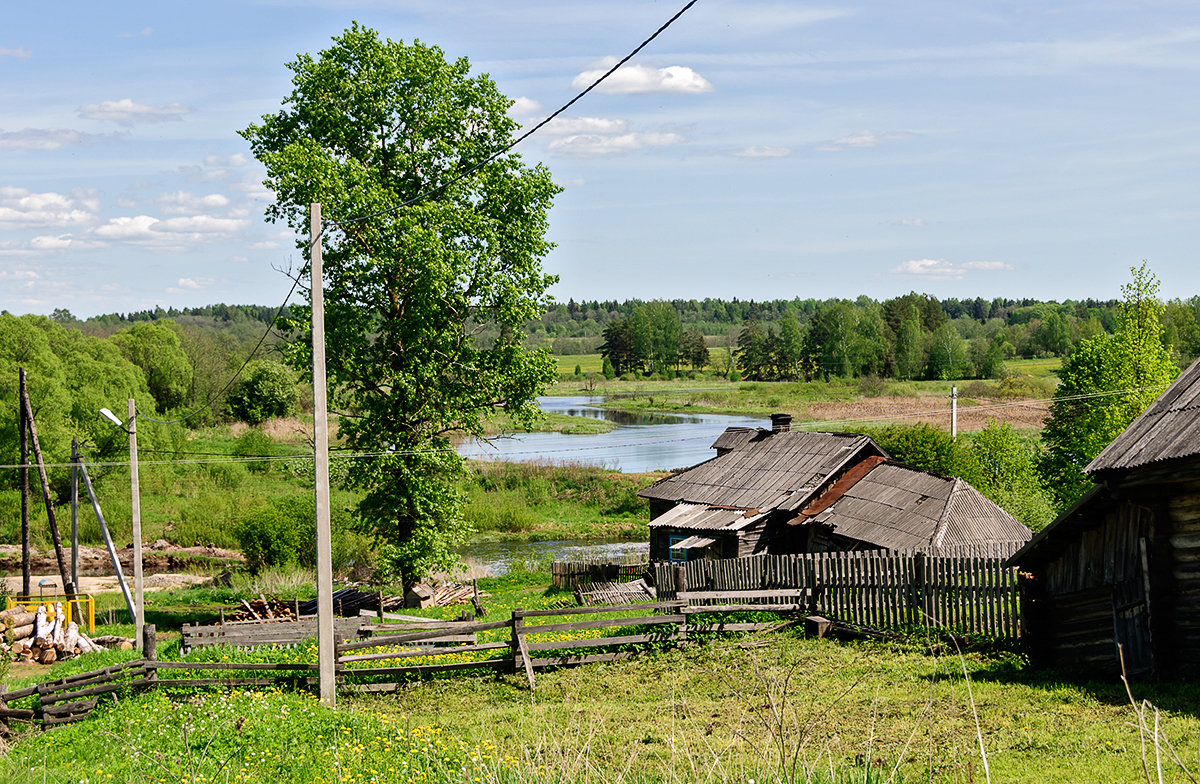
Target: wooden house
1117	576
781	491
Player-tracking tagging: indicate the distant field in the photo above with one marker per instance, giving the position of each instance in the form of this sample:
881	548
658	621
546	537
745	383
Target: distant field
1038	368
588	363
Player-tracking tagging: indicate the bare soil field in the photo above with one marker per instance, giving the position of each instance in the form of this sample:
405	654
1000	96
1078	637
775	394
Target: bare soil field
1020	413
163	564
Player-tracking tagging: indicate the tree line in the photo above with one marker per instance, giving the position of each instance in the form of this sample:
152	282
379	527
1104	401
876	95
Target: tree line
915	336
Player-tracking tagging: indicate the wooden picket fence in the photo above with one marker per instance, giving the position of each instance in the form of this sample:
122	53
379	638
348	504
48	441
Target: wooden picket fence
568	575
958	594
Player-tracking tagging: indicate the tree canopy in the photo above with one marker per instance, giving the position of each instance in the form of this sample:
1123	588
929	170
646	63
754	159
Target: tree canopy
1106	382
428	239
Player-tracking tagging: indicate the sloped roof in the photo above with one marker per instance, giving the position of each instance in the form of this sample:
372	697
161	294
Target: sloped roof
768	471
1046	545
901	508
1167	430
701	517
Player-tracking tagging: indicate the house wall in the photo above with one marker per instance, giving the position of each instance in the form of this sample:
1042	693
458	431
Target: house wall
1093	594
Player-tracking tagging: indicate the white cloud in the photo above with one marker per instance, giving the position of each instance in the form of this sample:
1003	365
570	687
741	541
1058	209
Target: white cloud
50	139
195	283
172	233
940	269
590	145
23	54
763	152
127	112
631	79
143	31
182	202
239	159
566	126
863	139
264	245
18	275
525	107
912	223
20	208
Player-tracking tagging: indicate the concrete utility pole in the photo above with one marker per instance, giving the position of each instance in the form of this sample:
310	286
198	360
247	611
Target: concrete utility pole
75	512
139	620
326	655
953	412
26	572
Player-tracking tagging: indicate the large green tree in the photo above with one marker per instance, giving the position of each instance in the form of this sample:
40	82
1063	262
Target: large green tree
426	237
1107	381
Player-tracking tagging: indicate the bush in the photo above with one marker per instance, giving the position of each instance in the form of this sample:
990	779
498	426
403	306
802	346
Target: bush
872	386
284	534
255	443
268	390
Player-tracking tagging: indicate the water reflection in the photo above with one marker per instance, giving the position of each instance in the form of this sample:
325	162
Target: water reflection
639	442
495	558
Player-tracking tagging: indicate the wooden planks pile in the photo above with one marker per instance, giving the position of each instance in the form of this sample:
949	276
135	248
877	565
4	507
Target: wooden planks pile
42	635
885	590
615	593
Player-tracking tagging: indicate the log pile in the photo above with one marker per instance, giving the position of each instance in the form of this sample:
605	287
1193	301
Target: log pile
31	636
264	609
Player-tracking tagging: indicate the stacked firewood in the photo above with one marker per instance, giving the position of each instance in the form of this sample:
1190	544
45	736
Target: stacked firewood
264	609
32	636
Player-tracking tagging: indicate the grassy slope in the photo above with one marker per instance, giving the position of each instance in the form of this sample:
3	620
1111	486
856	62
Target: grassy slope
717	712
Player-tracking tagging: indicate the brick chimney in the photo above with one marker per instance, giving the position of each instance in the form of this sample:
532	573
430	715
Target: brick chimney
781	423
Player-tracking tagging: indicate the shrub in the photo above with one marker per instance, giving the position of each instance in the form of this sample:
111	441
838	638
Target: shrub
872	386
255	443
268	390
284	534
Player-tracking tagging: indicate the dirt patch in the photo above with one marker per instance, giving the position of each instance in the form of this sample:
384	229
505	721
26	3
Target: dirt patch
52	584
1020	413
159	559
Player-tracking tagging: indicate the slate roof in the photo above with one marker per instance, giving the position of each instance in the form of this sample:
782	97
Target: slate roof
901	508
781	471
1169	429
701	517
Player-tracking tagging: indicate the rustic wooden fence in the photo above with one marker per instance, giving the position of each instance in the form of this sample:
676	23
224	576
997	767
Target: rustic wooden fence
252	634
959	594
568	575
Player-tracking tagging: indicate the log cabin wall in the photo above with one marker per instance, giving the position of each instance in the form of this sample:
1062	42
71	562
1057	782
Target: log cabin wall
1094	591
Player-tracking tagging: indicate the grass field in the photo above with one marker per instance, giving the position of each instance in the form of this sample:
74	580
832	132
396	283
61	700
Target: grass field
781	708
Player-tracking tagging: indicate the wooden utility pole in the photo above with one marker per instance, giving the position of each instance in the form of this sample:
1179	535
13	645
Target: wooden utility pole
68	583
26	574
139	619
953	412
326	655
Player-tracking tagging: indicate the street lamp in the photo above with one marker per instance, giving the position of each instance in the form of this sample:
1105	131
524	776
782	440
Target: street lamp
139	620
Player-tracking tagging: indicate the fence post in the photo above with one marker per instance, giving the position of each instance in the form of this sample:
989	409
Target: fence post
150	648
681	581
520	654
916	593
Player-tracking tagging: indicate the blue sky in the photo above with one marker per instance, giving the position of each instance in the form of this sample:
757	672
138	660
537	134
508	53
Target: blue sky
755	150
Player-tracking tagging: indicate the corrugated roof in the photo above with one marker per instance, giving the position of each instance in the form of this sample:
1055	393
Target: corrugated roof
1169	429
701	517
781	470
902	508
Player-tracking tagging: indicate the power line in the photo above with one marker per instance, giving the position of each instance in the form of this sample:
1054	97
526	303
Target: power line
468	172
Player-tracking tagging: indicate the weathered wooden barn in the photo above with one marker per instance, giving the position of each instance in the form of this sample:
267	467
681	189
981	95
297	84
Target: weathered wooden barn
781	491
1118	574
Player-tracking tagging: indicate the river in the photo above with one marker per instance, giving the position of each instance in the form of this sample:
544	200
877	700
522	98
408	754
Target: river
638	443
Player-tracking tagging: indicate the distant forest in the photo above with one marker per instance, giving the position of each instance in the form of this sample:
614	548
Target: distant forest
912	336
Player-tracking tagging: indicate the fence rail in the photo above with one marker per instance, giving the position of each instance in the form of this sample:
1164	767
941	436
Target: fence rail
960	594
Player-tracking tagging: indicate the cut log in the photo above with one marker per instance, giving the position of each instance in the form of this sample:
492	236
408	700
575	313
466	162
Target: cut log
56	630
48	656
250	610
71	636
41	626
19	632
19	609
20	619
